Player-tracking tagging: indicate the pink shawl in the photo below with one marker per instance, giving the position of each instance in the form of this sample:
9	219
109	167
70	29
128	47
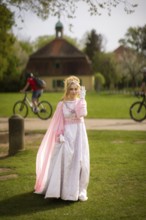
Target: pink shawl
56	128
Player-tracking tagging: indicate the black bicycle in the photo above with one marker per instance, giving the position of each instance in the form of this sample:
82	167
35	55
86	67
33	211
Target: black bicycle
138	109
44	108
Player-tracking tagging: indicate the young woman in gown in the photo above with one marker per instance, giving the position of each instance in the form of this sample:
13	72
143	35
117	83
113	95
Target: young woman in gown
62	164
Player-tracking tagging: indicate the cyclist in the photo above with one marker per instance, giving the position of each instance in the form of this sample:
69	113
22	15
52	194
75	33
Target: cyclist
36	92
143	85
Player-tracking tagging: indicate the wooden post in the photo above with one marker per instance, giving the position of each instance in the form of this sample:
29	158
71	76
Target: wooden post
16	134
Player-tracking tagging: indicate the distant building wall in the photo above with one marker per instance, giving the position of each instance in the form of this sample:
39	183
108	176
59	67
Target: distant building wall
55	83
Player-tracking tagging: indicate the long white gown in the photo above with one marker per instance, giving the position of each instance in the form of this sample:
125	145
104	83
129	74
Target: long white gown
68	173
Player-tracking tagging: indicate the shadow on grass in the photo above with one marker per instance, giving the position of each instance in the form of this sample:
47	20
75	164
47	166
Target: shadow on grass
29	203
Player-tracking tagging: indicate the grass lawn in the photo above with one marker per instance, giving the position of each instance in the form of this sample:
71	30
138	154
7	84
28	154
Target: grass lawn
117	188
99	105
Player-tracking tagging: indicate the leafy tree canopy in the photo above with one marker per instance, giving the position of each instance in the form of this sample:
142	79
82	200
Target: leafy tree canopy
6	39
44	8
94	43
104	63
135	38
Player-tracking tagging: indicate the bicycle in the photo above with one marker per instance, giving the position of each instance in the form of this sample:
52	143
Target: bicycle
138	109
21	107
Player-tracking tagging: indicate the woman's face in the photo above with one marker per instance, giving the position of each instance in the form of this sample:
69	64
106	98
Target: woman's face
73	91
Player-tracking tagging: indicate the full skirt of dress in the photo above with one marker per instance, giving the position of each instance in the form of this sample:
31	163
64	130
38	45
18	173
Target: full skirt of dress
68	175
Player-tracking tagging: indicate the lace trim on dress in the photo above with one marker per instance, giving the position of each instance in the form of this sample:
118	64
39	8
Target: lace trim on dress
71	110
73	120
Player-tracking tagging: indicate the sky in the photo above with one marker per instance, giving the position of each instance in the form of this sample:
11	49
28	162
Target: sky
112	28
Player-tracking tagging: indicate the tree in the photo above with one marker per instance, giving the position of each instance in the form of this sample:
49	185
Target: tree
6	39
104	63
22	50
99	81
27	46
135	38
130	65
93	44
45	8
133	58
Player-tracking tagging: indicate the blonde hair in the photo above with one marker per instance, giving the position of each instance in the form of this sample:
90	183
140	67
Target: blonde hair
67	84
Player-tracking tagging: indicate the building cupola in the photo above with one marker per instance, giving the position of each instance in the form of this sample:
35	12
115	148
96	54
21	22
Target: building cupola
59	29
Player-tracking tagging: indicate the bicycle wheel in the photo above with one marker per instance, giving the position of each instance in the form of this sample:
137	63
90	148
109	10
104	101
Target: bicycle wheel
44	110
138	111
20	108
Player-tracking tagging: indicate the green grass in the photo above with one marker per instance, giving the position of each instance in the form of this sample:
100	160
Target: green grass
99	105
117	188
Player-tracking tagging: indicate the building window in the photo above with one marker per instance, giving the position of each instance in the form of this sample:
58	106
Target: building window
58	84
57	64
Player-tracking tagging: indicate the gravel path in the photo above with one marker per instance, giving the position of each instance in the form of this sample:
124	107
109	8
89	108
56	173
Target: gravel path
91	124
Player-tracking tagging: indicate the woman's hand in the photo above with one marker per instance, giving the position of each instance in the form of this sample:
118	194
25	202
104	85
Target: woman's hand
82	92
61	138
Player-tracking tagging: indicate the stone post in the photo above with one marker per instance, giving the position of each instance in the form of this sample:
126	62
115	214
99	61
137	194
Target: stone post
16	134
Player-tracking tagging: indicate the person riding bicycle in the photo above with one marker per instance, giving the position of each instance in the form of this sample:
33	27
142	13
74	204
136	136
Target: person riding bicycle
143	85
36	91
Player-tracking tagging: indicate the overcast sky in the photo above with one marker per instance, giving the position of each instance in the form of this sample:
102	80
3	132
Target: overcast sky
111	27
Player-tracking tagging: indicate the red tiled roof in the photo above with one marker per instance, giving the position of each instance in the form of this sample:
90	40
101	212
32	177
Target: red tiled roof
59	47
121	49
